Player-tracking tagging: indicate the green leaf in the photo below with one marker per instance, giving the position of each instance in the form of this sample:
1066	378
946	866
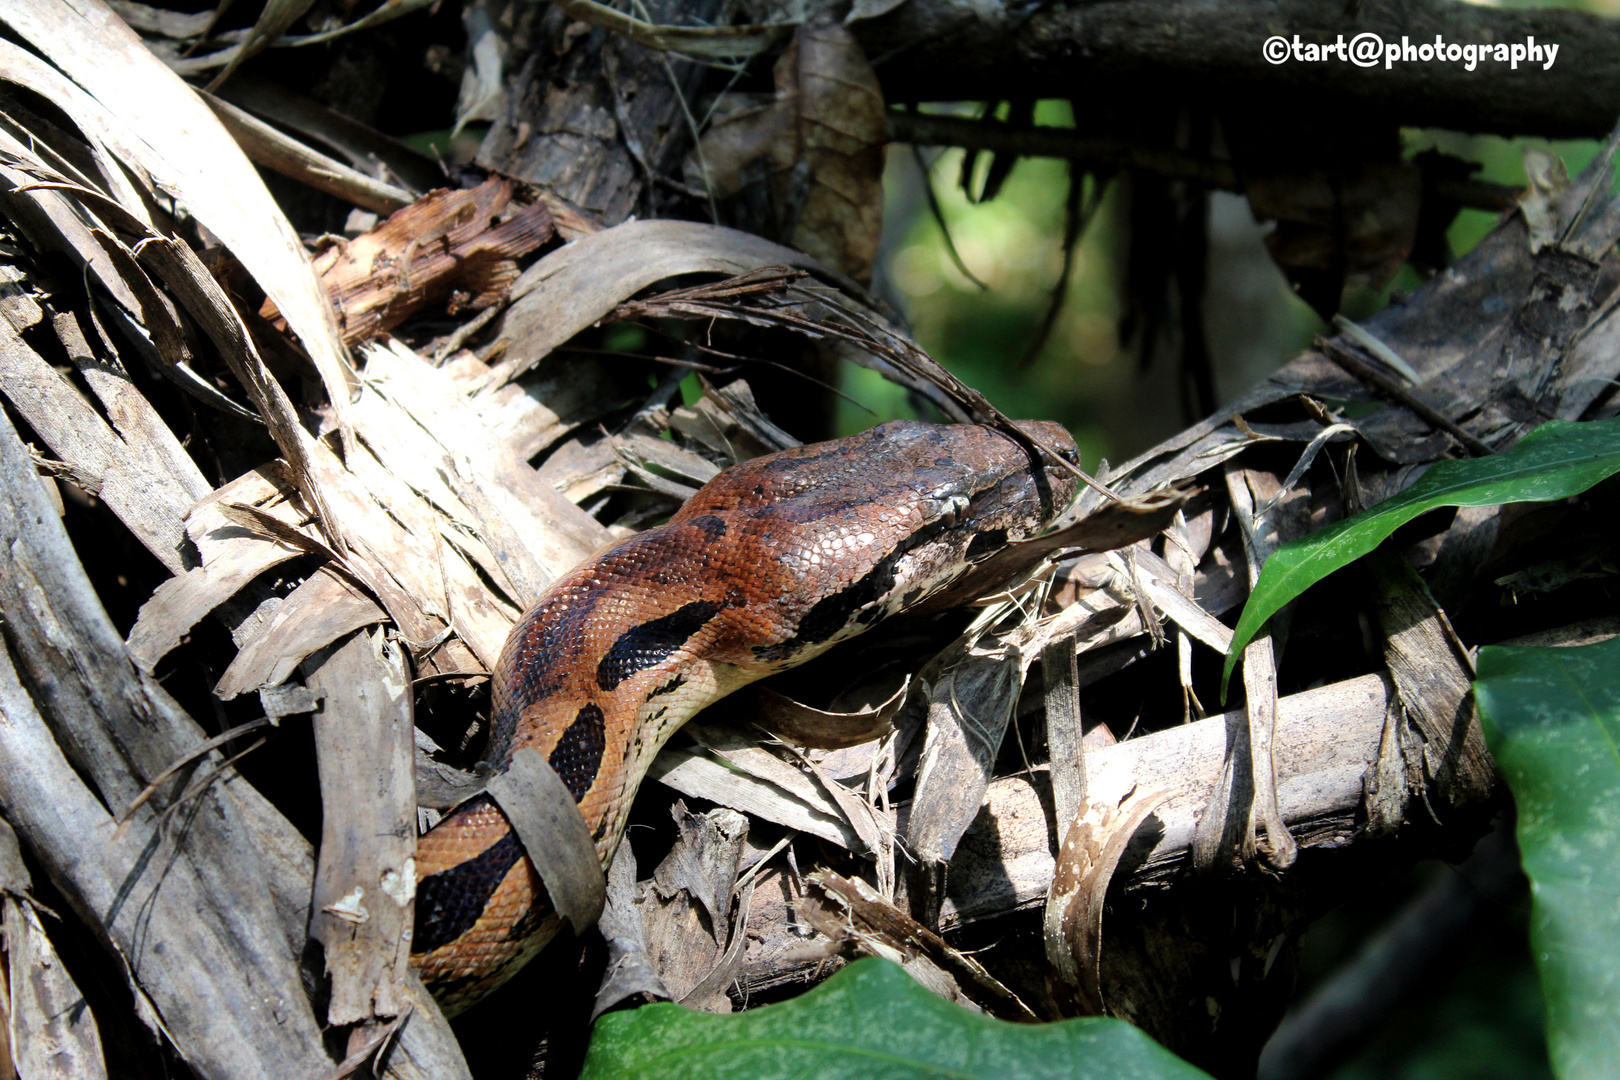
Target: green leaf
1552	721
869	1022
1555	461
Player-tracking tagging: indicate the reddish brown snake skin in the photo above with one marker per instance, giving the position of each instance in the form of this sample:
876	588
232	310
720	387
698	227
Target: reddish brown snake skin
770	564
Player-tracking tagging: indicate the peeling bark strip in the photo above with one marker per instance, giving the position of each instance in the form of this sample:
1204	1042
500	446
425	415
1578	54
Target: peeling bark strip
368	822
456	246
1092	847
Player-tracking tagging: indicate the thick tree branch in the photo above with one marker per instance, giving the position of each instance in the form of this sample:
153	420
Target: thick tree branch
1210	53
932	129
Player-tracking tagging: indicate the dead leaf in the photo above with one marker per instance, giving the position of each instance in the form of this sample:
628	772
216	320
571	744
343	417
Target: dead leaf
803	725
855	916
693	943
1358	226
460	246
1074	905
817	151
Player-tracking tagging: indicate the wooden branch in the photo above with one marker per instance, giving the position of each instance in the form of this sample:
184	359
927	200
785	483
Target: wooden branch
1189	50
932	129
1326	740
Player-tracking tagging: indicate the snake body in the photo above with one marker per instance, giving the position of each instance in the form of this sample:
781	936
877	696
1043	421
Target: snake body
770	564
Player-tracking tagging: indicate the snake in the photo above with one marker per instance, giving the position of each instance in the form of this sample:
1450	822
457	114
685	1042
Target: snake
771	563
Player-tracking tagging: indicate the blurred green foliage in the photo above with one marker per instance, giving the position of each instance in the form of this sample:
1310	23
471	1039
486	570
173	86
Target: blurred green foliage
1502	162
1083	377
1013	245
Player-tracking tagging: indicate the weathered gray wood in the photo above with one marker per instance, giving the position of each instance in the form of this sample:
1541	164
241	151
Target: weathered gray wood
167	138
1060	676
209	914
187	907
46	1027
1326	742
1435	677
366	876
1268	517
545	534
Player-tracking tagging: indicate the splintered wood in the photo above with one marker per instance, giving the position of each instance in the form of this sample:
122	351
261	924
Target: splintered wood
459	248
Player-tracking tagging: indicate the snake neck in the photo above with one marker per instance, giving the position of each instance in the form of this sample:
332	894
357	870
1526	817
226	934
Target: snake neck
770	564
482	909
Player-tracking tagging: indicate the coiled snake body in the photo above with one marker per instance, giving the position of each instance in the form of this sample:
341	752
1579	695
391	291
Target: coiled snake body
770	564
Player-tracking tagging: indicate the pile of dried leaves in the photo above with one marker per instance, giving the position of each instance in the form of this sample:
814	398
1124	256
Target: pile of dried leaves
340	541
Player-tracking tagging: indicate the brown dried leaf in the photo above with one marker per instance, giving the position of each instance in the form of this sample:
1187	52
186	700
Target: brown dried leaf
818	149
854	915
803	725
574	287
1362	224
630	969
1074	905
970	691
692	941
460	246
269	146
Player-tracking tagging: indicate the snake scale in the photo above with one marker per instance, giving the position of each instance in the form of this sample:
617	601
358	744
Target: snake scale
770	564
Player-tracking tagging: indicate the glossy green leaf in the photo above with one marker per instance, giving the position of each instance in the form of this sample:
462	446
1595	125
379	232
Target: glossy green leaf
869	1022
1552	721
1555	461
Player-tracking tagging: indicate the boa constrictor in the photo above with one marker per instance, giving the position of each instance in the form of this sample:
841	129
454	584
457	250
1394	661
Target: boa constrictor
772	563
